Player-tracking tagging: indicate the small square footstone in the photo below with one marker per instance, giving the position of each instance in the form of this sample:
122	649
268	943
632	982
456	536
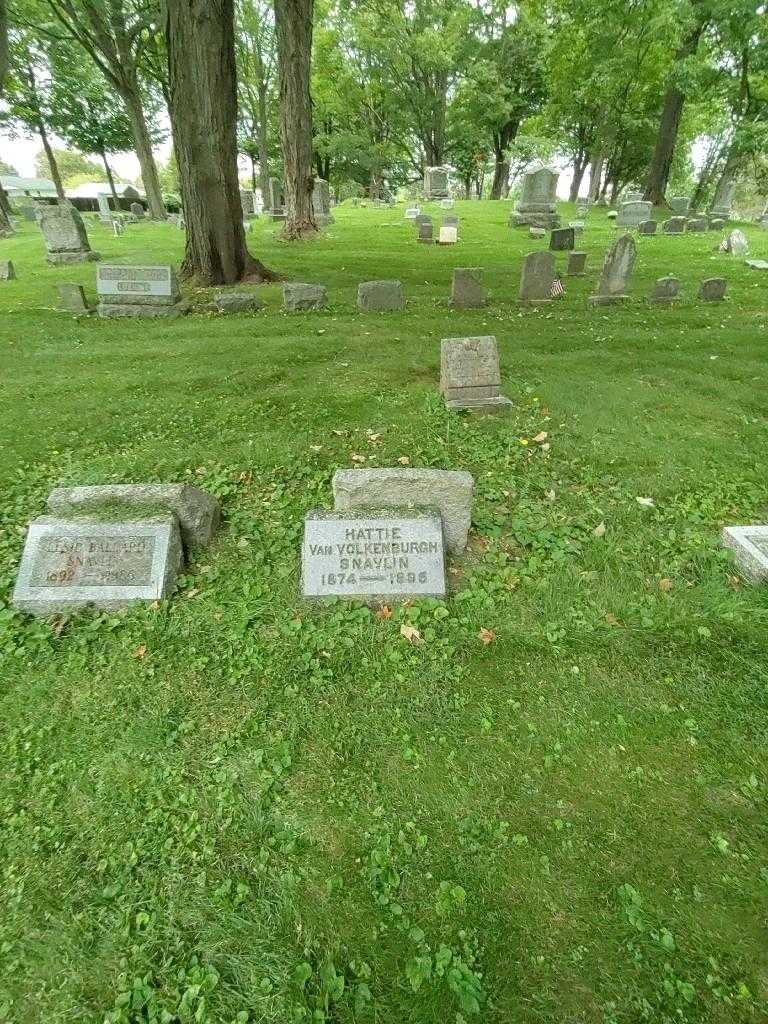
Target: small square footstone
647	227
380	296
70	564
467	291
72	298
197	511
377	555
674	226
138	291
577	264
697	224
236	302
666	290
7	271
713	289
562	239
750	548
469	375
300	297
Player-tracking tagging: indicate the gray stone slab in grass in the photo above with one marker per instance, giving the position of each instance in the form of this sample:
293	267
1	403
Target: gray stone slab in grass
299	297
713	289
467	291
380	296
666	290
446	489
68	564
198	512
138	291
469	375
750	548
379	554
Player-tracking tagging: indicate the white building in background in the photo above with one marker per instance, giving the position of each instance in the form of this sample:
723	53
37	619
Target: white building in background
35	188
94	189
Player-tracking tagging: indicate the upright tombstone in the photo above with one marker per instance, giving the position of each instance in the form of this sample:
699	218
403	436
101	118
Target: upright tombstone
380	296
424	226
29	213
448	490
562	239
435	183
467	291
674	225
697	224
138	291
381	554
723	202
470	377
65	236
321	202
666	291
450	220
248	202
137	210
736	243
577	264
537	200
717	223
72	299
105	214
633	197
647	227
276	200
449	235
632	214
446	204
617	271
749	545
713	289
7	270
680	205
537	277
412	212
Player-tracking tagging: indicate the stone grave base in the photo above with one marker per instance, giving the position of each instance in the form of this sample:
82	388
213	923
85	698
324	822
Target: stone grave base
534	220
480	406
58	259
608	300
110	310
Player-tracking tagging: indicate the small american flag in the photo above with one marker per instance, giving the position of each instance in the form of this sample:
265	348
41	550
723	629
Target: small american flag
724	246
557	291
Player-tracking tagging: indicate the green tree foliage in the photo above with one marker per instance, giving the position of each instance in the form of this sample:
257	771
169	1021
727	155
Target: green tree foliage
71	165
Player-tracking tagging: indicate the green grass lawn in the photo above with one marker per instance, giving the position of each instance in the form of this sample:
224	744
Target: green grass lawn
234	807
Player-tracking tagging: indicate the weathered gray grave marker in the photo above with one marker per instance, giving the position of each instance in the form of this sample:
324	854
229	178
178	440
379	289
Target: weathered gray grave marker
562	239
713	289
380	296
467	291
300	297
632	214
7	270
674	225
135	291
577	264
617	270
750	548
65	236
666	290
72	299
537	200
436	183
537	277
470	377
647	227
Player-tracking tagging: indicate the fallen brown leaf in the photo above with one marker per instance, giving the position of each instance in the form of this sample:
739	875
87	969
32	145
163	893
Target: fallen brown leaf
541	438
139	652
411	634
665	584
385	612
486	635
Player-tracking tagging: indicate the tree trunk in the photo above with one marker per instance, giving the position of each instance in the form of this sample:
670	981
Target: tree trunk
3	45
725	183
468	187
595	175
254	182
661	161
110	179
263	144
500	176
293	24
6	228
579	169
201	66
54	167
133	106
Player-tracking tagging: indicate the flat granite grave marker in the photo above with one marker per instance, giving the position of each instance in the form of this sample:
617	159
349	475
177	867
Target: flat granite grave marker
713	289
537	277
377	555
577	264
617	270
7	270
562	239
299	297
750	548
68	564
138	291
380	296
470	377
666	290
66	239
448	490
467	291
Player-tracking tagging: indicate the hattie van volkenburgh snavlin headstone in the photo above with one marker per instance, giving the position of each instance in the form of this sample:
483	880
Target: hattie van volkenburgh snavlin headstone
376	554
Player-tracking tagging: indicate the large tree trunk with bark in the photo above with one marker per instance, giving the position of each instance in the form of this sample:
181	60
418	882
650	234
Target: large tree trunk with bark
110	179
500	176
202	84
579	170
6	228
3	44
263	144
595	176
293	25
669	126
134	108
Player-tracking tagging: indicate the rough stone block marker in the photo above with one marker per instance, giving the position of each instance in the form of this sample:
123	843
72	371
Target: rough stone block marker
448	490
674	226
300	297
666	290
197	511
379	554
713	289
750	548
380	296
67	565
